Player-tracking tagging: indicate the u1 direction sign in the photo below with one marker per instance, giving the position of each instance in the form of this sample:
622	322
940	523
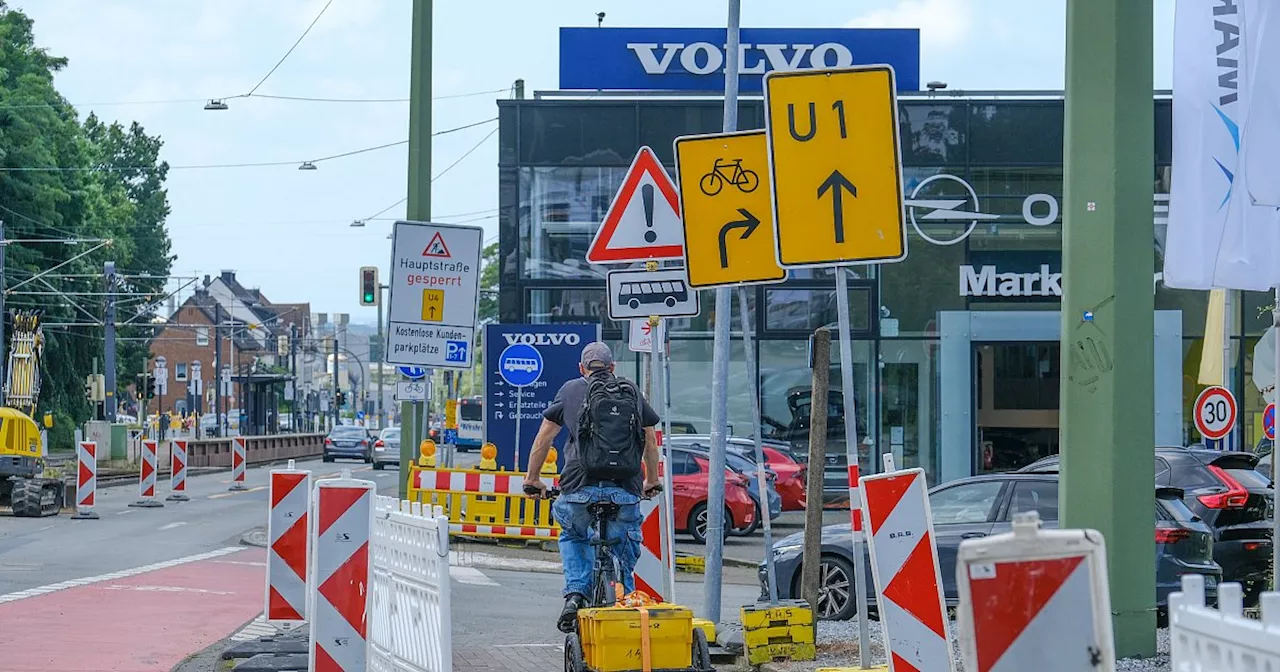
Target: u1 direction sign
560	347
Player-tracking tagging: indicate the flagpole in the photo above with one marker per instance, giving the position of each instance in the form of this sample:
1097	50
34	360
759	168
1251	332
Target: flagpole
1232	441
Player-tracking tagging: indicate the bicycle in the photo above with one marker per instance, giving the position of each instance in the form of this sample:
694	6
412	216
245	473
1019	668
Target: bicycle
745	180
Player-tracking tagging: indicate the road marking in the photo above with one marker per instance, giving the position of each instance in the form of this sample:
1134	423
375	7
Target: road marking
471	576
170	526
126	511
166	589
75	583
220	495
240	562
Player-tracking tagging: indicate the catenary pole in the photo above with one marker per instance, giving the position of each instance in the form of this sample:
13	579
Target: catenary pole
109	342
720	357
1108	314
418	207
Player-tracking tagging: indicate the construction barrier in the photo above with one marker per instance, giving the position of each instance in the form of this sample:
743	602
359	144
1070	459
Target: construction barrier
272	448
652	570
1035	599
1205	639
484	503
177	471
86	480
904	562
237	463
410	626
341	522
288	542
785	631
147	477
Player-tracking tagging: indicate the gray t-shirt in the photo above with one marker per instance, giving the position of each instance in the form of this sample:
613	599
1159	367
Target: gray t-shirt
565	411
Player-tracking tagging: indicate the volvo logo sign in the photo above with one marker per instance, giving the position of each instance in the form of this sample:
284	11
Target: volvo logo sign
948	200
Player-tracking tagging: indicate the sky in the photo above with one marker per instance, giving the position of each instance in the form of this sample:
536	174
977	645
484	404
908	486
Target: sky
287	231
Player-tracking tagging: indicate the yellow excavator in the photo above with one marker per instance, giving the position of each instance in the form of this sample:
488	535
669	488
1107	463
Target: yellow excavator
22	483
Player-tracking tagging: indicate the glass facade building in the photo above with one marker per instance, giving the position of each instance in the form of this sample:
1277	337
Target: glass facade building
956	354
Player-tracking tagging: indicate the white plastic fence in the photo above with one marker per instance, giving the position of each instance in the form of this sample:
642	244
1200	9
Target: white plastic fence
1205	639
410	629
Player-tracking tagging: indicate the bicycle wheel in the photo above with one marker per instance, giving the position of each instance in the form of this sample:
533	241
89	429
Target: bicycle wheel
701	652
711	183
748	182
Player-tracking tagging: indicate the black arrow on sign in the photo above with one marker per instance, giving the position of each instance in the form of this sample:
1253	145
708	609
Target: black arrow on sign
749	223
835	183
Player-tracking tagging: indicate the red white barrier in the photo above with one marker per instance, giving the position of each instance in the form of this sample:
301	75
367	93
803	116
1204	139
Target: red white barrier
343	517
650	572
288	543
904	561
147	477
478	482
86	480
1043	600
237	463
177	471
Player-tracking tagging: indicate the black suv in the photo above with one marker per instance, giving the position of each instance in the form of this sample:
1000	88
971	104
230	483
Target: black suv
1234	500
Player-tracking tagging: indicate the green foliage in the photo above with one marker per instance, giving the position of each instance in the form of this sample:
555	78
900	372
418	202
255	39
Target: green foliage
489	284
107	182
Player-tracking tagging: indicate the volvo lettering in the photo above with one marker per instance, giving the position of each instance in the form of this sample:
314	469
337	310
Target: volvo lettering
542	339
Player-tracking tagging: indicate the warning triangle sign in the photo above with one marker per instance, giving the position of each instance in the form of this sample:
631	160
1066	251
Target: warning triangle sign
436	247
643	221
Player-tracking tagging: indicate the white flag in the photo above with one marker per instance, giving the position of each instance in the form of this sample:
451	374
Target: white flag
1217	237
1260	151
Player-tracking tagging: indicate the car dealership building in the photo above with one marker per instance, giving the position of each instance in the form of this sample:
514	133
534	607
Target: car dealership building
956	353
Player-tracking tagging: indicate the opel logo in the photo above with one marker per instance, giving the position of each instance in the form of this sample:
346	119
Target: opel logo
960	205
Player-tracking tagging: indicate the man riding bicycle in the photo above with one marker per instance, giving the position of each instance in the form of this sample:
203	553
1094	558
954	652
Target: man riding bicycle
611	432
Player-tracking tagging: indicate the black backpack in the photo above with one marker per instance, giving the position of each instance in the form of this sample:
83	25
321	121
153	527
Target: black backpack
610	430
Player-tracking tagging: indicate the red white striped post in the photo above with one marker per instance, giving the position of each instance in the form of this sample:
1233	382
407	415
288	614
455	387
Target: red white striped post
178	471
341	528
288	545
86	480
237	464
147	477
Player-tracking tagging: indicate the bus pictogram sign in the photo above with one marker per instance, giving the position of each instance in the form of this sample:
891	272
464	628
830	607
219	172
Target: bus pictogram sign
1215	412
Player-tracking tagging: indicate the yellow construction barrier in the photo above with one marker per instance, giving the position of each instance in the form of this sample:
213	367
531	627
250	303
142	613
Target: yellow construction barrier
484	503
782	632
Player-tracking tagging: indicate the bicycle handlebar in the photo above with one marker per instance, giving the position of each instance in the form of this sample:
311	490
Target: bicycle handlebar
551	493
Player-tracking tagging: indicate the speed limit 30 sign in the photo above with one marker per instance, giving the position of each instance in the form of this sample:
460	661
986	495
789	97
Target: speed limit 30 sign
1215	412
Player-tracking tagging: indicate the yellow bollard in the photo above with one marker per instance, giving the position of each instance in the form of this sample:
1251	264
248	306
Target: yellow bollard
427	453
488	457
549	467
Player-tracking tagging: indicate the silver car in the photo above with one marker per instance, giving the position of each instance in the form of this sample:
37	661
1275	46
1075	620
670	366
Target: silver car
386	450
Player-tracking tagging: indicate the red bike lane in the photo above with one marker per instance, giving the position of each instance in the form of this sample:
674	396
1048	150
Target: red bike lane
144	622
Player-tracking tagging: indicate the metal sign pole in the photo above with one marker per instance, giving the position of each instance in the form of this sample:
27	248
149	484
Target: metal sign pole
753	380
669	523
664	511
519	404
1275	397
851	454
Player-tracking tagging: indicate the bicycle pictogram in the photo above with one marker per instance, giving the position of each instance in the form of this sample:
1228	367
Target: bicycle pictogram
745	180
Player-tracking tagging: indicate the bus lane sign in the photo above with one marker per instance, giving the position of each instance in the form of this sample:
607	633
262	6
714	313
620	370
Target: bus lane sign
642	293
434	290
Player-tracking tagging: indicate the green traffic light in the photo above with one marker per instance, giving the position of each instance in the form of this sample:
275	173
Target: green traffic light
368	298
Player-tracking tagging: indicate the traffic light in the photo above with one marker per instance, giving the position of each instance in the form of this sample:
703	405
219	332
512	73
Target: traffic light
369	286
342	399
151	386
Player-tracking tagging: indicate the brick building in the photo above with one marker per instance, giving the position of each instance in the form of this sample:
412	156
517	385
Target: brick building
252	329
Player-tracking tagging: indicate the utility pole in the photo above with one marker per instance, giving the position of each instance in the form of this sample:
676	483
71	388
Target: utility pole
294	425
217	365
720	357
382	354
337	411
109	342
1108	318
4	314
418	207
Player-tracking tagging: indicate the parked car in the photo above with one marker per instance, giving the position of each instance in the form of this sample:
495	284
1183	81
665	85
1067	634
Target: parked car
740	465
386	450
1264	467
791	472
348	442
1234	500
979	506
689	476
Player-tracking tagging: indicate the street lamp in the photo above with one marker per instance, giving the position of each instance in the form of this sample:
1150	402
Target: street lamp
357	223
307	165
215	104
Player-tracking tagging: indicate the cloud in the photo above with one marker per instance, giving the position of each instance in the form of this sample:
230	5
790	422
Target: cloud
943	24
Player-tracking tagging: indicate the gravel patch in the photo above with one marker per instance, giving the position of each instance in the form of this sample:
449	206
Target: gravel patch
838	647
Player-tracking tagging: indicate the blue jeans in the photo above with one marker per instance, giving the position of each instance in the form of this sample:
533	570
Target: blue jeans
576	552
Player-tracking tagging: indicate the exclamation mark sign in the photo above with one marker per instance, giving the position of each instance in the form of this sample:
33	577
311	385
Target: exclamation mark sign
646	194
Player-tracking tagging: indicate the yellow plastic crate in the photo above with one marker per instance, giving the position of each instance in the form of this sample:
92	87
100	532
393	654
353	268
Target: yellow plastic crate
612	638
772	652
708	628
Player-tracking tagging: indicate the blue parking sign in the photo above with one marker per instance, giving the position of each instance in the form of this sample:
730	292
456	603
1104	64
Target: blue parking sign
455	351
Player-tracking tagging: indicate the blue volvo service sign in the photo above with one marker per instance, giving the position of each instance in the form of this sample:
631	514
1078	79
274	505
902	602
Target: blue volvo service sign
693	59
560	347
520	365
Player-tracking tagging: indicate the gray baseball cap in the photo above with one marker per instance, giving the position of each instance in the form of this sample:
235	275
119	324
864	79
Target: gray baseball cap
596	356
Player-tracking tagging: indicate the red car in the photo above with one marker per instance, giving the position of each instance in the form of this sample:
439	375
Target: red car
689	477
791	478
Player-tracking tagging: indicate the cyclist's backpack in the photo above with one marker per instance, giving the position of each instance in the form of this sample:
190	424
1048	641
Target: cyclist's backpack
610	431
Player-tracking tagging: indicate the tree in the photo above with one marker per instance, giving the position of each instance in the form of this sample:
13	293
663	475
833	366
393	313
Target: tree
489	284
66	180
